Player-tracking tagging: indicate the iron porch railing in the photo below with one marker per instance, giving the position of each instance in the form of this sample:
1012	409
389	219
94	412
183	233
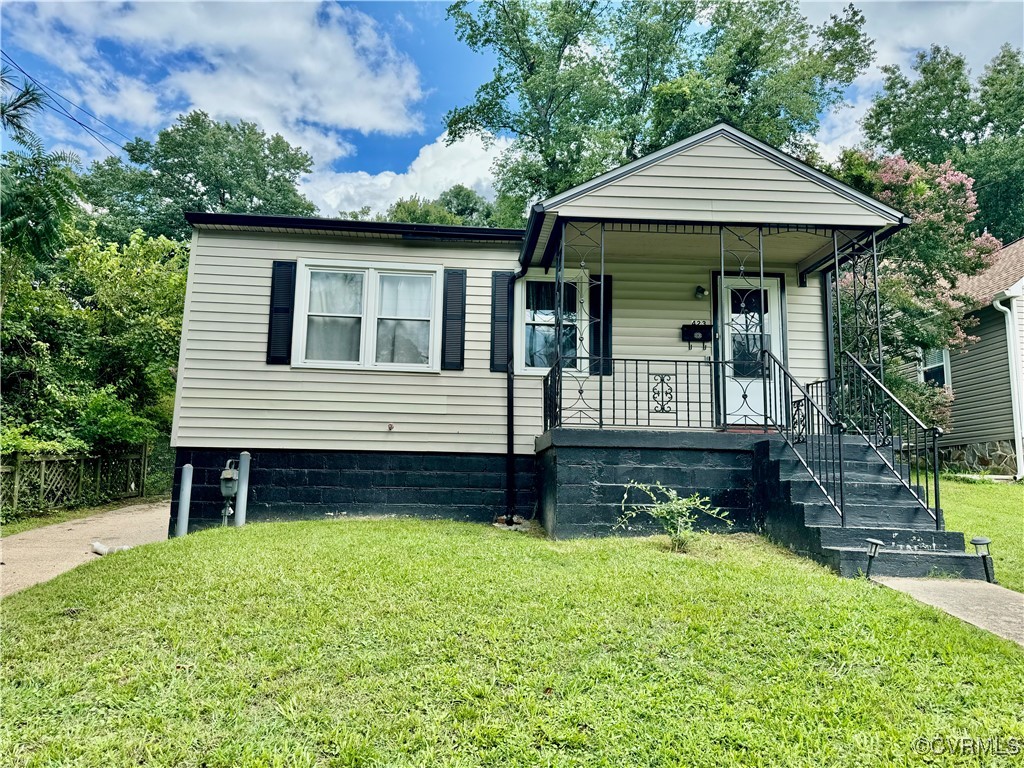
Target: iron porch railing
905	444
814	436
633	392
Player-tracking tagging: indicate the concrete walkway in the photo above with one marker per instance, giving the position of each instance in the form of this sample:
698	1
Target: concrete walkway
989	606
35	556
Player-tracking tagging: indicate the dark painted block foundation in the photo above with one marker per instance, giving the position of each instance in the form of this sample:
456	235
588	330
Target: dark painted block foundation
583	473
295	485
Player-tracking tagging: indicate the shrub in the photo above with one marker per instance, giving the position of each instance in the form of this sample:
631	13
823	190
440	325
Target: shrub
676	515
108	424
18	438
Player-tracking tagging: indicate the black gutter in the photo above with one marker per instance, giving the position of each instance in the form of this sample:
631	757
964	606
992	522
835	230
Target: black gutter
406	231
533	228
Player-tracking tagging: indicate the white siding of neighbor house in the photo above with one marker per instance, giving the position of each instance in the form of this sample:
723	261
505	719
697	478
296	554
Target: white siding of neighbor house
229	397
982	405
1019	305
720	180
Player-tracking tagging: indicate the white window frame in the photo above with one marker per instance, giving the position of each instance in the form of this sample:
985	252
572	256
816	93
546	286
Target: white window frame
945	368
368	337
519	332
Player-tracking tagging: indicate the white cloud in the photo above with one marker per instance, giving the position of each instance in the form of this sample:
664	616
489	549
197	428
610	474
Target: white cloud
310	72
436	168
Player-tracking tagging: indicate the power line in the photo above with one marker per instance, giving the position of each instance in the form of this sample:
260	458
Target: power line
103	140
62	97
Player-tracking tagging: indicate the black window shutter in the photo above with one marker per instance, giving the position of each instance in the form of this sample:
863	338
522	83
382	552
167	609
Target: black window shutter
499	320
453	325
601	327
282	310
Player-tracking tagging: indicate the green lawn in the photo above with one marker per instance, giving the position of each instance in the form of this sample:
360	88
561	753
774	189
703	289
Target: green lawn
995	510
412	643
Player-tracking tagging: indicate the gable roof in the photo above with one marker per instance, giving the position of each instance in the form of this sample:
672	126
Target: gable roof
1005	271
718	176
722	133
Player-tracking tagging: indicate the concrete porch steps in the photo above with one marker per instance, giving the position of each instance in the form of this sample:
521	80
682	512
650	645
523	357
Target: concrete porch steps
877	506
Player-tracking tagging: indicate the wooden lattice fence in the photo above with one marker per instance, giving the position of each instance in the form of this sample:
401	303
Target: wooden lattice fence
38	483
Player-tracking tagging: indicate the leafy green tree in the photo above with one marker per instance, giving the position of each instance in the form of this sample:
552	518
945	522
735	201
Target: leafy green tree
584	86
458	205
38	189
418	210
102	326
764	68
472	208
940	115
197	164
550	91
39	199
928	118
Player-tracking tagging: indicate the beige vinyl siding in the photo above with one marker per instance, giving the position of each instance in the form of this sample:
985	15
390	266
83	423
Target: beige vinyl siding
229	397
721	180
982	408
654	278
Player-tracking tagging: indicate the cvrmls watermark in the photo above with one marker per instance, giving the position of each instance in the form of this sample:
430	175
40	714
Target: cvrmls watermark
969	745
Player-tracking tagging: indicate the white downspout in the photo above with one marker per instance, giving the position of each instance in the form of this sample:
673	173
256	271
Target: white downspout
1016	375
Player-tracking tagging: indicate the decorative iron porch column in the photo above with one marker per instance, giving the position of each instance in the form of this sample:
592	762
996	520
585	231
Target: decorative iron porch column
856	305
742	327
578	286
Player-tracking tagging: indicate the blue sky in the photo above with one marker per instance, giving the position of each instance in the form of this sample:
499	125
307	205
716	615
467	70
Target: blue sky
363	86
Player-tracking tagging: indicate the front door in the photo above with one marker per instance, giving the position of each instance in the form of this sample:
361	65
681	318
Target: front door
744	306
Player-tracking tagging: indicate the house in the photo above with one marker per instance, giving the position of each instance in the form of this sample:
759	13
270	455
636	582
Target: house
987	378
672	320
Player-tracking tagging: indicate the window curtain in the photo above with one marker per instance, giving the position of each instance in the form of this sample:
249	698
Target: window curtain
403	330
334	338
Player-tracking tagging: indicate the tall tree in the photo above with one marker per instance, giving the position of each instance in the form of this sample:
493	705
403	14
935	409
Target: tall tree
550	90
937	113
38	189
583	86
764	68
197	164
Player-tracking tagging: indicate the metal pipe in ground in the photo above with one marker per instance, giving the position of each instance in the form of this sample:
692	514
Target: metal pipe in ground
184	500
242	499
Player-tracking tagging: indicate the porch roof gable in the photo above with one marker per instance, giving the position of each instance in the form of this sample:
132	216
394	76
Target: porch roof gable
718	176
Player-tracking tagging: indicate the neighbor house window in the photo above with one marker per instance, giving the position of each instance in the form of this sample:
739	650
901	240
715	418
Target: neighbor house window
935	367
536	336
358	316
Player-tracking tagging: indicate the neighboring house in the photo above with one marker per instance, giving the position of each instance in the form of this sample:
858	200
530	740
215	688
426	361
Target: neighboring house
475	374
987	377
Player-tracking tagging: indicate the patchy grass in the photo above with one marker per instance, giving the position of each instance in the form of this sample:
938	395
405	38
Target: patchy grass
55	516
996	510
412	643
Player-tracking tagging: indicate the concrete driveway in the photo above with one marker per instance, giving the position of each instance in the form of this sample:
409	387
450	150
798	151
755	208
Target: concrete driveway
35	556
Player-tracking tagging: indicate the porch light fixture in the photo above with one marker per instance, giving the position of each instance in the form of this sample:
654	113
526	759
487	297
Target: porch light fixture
981	546
873	546
701	292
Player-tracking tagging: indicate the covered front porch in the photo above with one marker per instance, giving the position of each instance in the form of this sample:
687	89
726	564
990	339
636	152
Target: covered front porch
691	326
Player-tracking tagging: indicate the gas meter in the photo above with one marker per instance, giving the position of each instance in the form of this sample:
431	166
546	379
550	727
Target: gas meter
228	488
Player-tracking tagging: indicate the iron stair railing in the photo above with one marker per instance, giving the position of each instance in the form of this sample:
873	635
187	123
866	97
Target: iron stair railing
804	424
905	444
